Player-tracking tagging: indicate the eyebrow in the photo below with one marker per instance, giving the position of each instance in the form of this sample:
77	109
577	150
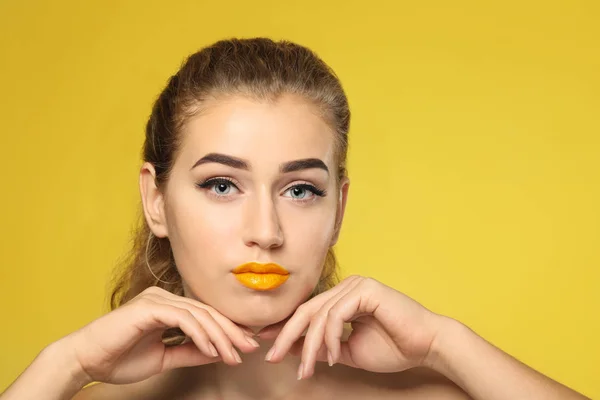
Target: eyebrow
238	163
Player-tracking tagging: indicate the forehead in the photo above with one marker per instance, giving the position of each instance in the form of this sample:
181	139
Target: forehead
287	129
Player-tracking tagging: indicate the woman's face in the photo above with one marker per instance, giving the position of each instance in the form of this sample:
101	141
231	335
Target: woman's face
253	182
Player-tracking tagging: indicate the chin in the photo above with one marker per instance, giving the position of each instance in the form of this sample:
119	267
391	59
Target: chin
262	309
259	317
254	309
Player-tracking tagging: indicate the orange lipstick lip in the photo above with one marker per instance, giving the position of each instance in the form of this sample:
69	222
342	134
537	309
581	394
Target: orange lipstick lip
260	276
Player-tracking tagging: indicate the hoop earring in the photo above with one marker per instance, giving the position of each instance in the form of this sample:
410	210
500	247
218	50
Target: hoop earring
148	264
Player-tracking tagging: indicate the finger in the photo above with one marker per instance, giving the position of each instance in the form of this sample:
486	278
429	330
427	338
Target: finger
166	316
289	330
185	355
240	336
214	331
315	335
154	291
297	324
272	331
234	332
344	357
352	305
298	347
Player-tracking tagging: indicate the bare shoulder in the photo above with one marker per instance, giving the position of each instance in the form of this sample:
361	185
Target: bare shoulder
429	384
104	391
153	388
99	391
415	383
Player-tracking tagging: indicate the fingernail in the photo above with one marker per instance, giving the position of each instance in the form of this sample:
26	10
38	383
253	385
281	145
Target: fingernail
212	349
329	358
236	356
300	371
252	342
270	354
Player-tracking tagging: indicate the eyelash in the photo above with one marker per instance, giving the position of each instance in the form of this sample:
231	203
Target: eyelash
227	181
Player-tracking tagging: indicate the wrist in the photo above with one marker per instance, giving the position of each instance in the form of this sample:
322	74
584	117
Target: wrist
55	374
64	356
447	330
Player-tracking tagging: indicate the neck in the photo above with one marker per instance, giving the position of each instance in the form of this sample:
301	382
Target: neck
254	378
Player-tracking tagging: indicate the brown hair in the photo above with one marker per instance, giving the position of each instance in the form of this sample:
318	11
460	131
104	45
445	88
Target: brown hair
259	68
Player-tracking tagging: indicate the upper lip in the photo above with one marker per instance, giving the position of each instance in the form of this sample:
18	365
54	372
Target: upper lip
261	268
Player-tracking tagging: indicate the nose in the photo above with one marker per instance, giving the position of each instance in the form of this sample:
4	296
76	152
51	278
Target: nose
262	225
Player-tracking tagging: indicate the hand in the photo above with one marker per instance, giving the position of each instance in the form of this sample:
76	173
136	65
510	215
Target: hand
126	346
390	331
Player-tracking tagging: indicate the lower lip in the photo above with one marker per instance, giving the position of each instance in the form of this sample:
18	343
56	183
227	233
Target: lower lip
266	281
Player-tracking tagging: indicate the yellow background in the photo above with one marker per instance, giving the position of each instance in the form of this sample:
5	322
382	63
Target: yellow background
474	156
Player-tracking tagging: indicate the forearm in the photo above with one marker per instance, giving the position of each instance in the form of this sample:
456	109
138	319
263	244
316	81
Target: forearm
486	372
53	375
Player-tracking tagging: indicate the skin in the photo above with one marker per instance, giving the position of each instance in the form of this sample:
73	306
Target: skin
257	218
378	342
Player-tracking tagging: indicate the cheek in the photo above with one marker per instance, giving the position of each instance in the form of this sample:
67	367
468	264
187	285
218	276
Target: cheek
205	234
313	240
200	236
311	227
308	238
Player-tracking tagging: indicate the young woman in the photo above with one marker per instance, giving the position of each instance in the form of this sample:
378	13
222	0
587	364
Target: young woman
243	189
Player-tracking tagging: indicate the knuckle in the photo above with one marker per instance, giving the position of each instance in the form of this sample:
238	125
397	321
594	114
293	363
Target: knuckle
151	290
302	308
144	302
334	313
185	315
321	315
206	307
203	313
370	282
314	319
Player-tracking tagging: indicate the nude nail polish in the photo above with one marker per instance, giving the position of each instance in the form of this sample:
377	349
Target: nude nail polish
300	371
270	354
213	350
236	356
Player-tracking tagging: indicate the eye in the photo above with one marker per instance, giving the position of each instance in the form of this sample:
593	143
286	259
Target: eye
222	188
298	192
304	192
219	186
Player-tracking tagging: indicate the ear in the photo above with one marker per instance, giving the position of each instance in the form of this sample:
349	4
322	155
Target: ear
152	201
343	198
